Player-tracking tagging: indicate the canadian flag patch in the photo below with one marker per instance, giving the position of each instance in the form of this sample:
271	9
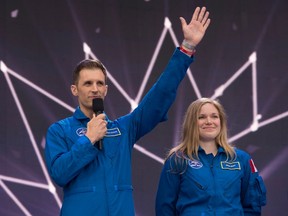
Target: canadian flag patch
253	167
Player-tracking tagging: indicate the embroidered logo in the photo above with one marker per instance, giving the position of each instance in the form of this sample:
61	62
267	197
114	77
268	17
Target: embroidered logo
195	164
81	131
230	165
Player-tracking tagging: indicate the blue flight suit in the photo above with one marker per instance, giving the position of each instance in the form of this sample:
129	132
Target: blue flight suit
99	182
210	186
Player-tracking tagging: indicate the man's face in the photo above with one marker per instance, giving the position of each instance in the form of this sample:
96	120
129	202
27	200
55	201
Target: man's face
91	84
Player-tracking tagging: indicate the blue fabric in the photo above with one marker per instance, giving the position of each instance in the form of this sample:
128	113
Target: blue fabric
99	182
210	186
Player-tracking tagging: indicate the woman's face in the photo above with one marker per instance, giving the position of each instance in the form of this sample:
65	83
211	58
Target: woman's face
208	122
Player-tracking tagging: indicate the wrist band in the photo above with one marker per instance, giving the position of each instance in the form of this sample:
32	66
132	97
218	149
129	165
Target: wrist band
189	53
187	45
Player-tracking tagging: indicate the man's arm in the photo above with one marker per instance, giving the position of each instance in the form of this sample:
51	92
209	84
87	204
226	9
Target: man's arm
156	103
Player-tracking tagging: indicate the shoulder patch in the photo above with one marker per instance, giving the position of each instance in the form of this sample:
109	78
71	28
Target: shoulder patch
252	166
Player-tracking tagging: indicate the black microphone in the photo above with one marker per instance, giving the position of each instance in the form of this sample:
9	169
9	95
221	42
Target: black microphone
98	108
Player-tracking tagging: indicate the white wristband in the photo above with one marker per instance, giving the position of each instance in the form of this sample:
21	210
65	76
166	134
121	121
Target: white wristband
187	45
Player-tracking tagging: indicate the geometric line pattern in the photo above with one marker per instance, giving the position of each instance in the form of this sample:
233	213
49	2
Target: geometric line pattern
256	124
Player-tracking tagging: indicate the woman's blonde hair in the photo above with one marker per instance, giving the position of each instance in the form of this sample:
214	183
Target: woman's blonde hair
190	136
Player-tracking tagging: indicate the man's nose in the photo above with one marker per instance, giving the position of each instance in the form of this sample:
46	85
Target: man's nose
95	87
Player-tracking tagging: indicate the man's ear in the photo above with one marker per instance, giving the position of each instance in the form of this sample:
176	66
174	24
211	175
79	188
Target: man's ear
106	90
74	90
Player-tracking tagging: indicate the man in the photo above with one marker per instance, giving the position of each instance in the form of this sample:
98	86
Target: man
98	181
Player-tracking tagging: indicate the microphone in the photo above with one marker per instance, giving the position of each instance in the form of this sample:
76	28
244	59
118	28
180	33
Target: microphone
98	108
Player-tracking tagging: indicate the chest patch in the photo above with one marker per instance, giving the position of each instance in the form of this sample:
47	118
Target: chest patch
230	165
195	164
81	131
112	132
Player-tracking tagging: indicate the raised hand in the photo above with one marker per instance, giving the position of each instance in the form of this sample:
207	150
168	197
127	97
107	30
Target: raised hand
195	30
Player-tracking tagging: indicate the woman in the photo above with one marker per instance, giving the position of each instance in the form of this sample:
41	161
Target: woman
204	175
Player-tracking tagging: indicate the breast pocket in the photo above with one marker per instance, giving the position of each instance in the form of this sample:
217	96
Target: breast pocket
230	180
113	141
